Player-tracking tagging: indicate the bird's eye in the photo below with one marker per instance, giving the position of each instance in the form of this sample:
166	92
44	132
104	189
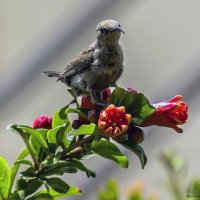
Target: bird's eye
103	31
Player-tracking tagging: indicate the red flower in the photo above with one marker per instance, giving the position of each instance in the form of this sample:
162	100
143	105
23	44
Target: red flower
43	121
114	121
169	114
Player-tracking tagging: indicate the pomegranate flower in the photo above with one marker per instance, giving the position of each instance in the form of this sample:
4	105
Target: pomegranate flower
43	121
114	121
169	114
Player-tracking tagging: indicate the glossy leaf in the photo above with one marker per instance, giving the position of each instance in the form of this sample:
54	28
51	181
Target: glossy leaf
137	149
41	197
15	166
79	165
25	162
110	151
87	129
121	97
57	120
141	109
37	137
29	186
4	178
52	136
60	169
43	132
28	173
33	186
14	128
17	195
58	185
61	136
71	192
116	96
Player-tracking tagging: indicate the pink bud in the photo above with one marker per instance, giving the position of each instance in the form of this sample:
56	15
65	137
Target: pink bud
43	121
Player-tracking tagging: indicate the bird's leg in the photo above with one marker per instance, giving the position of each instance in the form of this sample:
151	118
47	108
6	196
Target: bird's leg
96	97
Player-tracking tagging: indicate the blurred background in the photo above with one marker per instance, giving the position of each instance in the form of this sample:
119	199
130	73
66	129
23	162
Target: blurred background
162	59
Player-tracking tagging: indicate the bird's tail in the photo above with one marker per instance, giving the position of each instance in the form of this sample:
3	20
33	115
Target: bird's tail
52	74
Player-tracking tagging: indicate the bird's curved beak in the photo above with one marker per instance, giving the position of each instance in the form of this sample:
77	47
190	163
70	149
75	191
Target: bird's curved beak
119	29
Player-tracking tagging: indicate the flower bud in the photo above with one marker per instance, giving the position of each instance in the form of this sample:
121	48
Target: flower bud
135	134
76	124
93	116
114	121
43	121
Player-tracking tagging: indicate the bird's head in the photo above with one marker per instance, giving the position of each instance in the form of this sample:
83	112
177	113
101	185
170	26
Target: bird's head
109	31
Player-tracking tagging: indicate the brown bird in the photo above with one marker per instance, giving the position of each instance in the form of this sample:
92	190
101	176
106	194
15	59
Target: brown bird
98	67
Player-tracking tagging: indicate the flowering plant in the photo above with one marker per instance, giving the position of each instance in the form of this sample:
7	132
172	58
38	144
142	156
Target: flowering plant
57	145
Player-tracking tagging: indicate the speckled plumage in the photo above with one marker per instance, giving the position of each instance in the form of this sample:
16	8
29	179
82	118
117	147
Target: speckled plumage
99	66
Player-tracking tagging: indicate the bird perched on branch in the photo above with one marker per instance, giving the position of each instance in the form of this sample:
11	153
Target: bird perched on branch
97	67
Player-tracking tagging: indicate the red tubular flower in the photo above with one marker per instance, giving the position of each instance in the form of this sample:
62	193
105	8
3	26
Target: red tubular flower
169	114
114	121
43	121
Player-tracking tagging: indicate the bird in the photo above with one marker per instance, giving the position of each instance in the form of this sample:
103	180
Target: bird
98	67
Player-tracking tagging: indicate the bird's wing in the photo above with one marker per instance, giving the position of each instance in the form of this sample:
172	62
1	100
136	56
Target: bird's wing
79	64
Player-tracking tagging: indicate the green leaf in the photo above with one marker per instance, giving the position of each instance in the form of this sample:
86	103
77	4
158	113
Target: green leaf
43	132
41	197
121	97
116	96
87	129
58	185
33	186
137	149
15	167
25	162
59	169
110	151
57	120
17	195
135	104
29	186
28	173
52	136
37	137
79	165
71	192
14	128
61	136
140	109
4	178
